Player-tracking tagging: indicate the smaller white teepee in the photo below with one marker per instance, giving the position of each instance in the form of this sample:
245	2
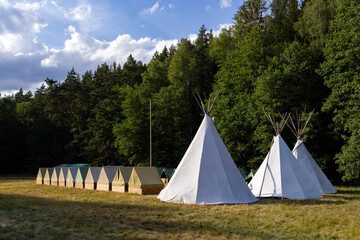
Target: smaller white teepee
280	174
306	160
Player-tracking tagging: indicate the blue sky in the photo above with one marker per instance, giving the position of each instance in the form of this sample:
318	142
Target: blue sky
40	39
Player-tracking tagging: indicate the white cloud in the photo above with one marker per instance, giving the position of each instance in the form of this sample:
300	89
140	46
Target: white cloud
207	7
225	3
221	27
49	62
19	27
192	37
80	12
152	9
97	51
171	6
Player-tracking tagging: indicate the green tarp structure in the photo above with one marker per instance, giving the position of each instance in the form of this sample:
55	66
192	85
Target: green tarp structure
159	170
85	165
243	174
48	175
250	175
55	176
145	177
40	176
167	173
81	175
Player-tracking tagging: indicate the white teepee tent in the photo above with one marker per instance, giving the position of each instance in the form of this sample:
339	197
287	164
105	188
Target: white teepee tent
207	174
280	174
306	160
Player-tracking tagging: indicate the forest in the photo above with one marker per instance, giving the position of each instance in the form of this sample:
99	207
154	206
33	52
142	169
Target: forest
283	55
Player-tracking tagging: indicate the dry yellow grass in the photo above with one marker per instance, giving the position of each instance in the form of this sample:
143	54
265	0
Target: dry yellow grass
30	211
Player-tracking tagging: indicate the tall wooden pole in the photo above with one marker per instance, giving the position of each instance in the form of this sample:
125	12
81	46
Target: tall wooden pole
150	138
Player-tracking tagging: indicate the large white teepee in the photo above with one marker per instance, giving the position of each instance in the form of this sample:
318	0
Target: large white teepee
307	161
280	174
207	174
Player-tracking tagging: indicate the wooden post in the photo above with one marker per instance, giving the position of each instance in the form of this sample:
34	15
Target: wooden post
150	138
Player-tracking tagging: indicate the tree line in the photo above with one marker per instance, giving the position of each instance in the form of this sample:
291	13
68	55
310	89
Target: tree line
285	56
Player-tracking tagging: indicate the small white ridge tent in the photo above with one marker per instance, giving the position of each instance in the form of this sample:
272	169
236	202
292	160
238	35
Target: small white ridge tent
121	179
80	177
55	177
71	176
304	157
63	176
106	178
47	177
280	174
40	176
145	180
92	177
207	174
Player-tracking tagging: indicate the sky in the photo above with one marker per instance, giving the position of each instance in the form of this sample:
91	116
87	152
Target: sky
45	39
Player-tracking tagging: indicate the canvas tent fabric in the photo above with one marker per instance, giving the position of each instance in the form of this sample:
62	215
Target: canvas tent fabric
71	176
40	176
63	176
281	175
312	168
55	176
92	177
48	175
106	178
80	177
121	179
207	174
145	180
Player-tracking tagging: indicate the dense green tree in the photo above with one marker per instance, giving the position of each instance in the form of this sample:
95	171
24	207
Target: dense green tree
341	70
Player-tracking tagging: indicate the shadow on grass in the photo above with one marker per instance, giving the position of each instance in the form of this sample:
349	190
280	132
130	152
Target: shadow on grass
326	200
349	191
29	217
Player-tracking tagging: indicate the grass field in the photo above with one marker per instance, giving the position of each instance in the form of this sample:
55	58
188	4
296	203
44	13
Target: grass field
30	211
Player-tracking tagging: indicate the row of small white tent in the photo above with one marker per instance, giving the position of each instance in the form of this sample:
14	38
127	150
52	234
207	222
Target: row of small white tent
142	180
208	175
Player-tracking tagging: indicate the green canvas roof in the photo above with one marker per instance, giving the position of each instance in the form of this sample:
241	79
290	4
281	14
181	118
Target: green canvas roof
41	174
122	176
107	174
75	165
167	173
55	175
48	174
92	175
243	174
160	170
81	175
145	177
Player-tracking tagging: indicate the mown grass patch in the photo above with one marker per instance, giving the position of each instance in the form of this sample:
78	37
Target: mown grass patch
30	211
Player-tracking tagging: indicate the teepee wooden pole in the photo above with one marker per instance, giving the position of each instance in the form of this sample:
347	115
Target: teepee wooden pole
150	138
267	163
